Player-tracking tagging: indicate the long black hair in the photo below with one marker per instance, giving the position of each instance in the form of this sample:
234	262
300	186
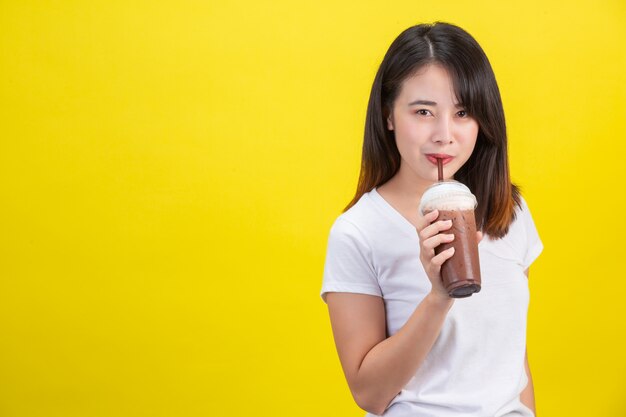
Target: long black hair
486	172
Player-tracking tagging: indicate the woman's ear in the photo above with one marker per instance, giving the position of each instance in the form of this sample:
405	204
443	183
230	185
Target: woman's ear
389	123
389	119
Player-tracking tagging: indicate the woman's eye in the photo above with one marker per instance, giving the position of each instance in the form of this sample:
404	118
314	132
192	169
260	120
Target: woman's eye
462	113
423	112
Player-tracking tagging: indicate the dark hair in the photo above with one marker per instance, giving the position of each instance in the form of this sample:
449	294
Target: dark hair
486	172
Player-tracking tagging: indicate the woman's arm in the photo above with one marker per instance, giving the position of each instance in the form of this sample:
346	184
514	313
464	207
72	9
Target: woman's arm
376	367
528	395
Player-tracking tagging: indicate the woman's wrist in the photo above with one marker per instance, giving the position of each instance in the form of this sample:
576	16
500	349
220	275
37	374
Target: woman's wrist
443	301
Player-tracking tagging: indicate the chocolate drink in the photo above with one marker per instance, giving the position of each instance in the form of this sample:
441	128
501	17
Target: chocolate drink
460	273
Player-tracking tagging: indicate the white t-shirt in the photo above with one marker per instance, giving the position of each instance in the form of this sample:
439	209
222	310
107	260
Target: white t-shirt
476	366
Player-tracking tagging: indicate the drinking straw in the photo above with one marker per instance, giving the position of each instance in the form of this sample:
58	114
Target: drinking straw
440	168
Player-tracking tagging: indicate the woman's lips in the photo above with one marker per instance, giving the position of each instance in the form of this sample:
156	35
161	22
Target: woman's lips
432	157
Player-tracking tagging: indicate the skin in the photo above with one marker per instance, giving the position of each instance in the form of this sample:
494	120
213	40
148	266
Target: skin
378	367
528	395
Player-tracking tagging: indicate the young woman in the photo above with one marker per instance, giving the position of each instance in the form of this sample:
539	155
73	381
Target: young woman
406	347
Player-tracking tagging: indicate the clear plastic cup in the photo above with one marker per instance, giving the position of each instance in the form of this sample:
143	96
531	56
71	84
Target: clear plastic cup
460	273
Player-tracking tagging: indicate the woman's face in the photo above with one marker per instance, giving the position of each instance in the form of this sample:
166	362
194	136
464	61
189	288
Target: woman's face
428	123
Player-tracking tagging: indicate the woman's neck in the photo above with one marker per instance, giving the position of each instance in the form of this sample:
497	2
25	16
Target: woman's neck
403	193
405	185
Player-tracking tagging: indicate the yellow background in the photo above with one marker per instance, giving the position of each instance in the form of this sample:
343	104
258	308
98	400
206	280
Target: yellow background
169	172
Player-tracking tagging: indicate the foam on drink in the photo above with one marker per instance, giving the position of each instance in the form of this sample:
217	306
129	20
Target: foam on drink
447	195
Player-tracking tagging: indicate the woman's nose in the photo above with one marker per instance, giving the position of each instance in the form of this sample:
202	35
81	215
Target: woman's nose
443	131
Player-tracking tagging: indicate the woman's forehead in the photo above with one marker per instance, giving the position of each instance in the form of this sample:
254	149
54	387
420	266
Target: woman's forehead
431	83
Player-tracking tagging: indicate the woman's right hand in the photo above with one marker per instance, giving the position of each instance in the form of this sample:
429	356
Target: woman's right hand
431	234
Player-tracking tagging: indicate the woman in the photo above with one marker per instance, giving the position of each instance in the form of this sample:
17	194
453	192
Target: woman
406	347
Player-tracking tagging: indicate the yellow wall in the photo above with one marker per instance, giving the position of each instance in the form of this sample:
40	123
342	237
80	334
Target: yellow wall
169	171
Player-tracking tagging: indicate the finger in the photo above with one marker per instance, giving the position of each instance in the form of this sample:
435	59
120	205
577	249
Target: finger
426	219
443	256
435	228
433	242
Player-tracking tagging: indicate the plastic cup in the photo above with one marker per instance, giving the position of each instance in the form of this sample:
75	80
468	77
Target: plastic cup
460	273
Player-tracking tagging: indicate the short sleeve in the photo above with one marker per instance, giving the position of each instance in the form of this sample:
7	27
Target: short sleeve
348	266
534	246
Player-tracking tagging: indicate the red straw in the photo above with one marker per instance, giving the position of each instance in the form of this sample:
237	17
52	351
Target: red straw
440	168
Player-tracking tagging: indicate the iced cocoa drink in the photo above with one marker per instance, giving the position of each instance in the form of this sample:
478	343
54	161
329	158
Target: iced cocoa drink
461	272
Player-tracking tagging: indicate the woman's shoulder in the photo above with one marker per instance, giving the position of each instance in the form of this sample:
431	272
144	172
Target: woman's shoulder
523	217
358	215
523	205
360	224
522	239
520	220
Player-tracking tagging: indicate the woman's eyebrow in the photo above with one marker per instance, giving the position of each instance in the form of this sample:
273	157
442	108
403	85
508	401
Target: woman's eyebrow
423	102
431	103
